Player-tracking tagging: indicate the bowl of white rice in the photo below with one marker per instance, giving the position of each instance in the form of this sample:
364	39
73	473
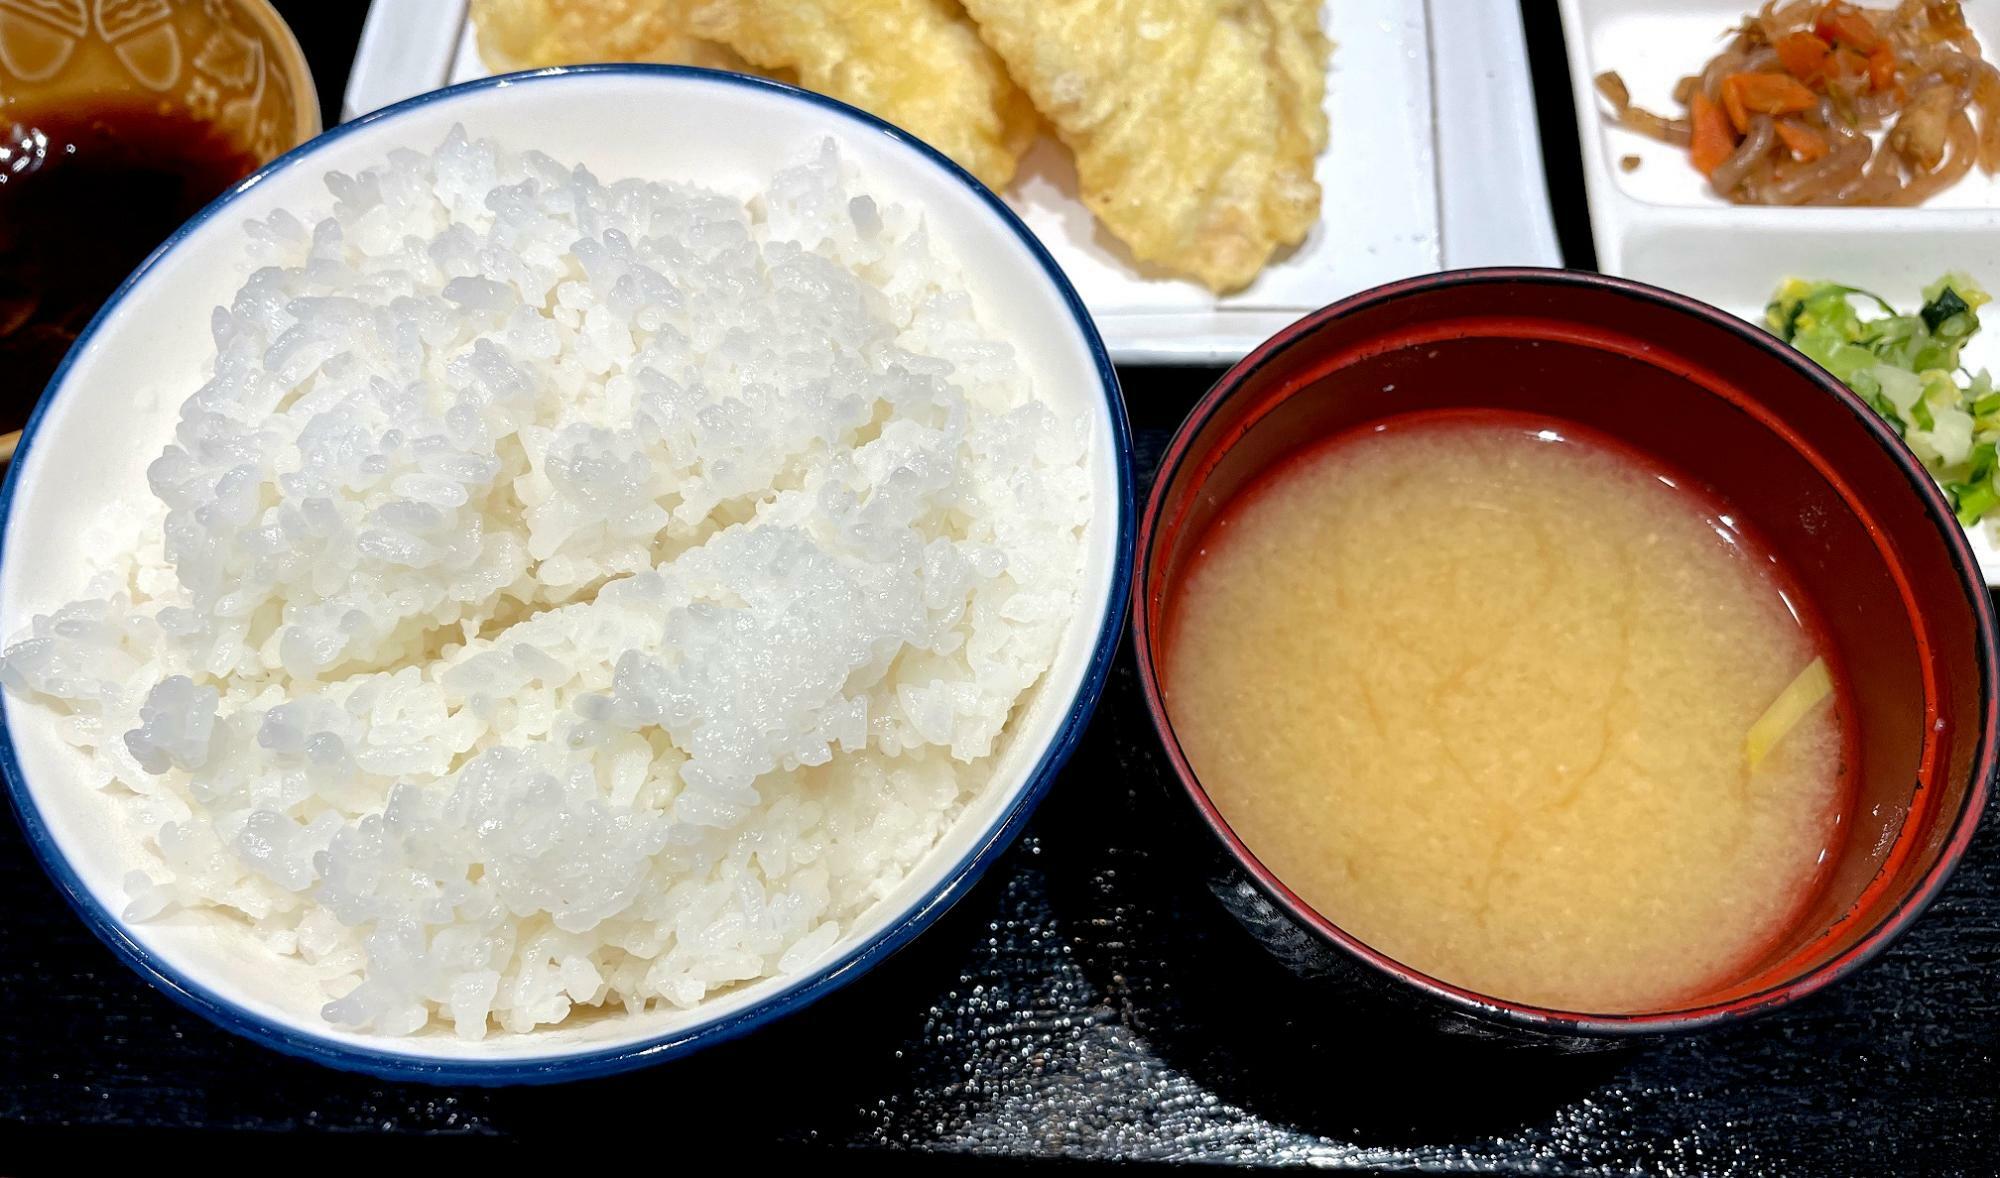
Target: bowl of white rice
558	572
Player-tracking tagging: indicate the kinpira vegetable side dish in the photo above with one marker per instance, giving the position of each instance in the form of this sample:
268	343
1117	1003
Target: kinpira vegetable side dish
1832	104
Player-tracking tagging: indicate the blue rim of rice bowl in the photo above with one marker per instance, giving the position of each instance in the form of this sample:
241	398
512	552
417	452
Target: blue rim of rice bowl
797	992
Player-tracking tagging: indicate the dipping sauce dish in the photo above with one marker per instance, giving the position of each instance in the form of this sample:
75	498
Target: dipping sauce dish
117	124
1830	494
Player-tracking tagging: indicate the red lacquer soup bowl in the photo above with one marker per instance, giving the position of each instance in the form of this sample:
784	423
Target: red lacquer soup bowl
1863	531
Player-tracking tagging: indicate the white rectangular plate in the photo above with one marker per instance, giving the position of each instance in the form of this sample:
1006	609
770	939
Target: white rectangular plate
1434	163
1660	222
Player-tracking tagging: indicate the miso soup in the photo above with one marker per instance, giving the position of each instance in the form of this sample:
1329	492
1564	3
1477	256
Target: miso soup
1510	705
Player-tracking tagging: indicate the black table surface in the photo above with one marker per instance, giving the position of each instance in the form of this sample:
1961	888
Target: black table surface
1087	1001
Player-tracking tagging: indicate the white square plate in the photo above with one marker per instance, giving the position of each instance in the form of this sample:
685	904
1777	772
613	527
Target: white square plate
1434	163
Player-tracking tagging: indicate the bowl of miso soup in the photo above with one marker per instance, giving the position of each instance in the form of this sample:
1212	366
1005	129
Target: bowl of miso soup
1565	652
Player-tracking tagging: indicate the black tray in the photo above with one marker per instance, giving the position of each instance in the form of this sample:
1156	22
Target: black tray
1088	1000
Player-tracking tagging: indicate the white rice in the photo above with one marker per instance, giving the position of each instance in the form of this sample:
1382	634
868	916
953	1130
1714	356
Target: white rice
571	594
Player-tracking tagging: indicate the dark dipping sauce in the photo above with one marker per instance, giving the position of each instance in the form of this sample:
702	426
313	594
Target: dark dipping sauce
85	194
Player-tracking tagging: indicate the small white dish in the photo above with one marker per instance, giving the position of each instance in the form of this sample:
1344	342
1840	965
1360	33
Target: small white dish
113	407
1660	223
1433	162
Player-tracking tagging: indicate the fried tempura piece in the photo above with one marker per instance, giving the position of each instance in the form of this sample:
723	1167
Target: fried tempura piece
1195	123
917	63
530	34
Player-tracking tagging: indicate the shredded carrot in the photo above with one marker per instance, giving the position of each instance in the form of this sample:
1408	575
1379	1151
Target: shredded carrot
1882	68
1712	141
1771	94
1803	56
1844	24
1804	142
1732	103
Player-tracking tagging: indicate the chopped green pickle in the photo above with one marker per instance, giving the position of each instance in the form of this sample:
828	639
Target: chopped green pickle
1907	368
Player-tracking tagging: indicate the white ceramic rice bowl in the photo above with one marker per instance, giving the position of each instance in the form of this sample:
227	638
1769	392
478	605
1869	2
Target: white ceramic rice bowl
112	406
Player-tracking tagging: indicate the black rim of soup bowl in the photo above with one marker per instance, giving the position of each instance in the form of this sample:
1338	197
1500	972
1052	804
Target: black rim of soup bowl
1310	943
